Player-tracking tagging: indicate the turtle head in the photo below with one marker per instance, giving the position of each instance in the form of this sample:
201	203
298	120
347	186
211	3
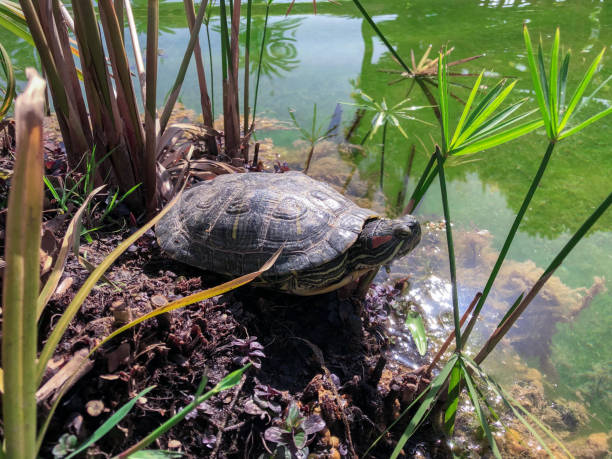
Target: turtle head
383	240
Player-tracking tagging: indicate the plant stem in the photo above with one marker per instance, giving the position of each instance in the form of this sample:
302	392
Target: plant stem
510	236
382	154
451	249
261	52
150	106
381	36
499	333
22	275
247	55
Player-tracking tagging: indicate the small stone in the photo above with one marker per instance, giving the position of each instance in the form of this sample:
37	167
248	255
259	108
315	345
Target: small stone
159	301
174	444
94	408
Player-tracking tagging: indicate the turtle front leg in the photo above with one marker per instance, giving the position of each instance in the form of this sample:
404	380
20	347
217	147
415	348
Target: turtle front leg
364	283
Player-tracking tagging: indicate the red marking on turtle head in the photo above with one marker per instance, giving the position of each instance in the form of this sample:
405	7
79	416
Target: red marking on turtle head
377	241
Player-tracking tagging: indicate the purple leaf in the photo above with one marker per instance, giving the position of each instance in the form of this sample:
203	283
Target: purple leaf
313	424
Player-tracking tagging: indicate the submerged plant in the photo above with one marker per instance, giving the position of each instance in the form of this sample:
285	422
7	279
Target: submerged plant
480	129
313	136
383	115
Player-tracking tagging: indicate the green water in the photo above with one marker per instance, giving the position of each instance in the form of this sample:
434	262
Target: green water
324	59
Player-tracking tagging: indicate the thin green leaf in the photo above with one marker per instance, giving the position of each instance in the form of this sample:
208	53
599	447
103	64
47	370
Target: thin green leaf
77	301
535	79
481	118
510	403
466	109
110	422
155	454
511	310
563	81
226	383
484	423
443	94
498	139
554	81
580	90
586	123
491	124
483	104
415	325
60	261
544	78
15	24
9	77
454	389
500	127
432	394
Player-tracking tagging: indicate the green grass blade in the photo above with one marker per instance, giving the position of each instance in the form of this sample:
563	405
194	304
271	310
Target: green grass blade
580	90
536	81
586	123
60	261
435	388
484	423
110	423
451	249
15	23
9	77
228	382
498	139
415	325
443	100
554	82
454	389
466	109
88	285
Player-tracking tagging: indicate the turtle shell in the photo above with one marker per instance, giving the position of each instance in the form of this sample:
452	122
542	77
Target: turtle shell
234	223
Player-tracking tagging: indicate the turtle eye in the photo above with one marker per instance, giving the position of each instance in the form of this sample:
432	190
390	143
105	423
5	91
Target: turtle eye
403	230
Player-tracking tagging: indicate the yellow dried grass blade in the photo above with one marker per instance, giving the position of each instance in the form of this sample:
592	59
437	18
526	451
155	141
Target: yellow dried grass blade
194	298
58	269
22	274
89	284
199	296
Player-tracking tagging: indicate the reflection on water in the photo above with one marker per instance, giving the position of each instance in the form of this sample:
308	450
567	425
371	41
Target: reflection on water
323	59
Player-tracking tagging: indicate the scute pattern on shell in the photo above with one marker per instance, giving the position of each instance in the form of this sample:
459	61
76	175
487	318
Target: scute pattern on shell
234	223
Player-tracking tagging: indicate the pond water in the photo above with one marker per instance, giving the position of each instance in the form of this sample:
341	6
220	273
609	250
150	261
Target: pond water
325	59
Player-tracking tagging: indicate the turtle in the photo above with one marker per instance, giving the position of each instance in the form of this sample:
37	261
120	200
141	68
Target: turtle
234	223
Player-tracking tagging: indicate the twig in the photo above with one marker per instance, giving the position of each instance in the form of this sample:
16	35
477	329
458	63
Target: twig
321	361
227	415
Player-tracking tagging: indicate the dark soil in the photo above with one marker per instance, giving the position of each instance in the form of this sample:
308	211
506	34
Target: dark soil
324	353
